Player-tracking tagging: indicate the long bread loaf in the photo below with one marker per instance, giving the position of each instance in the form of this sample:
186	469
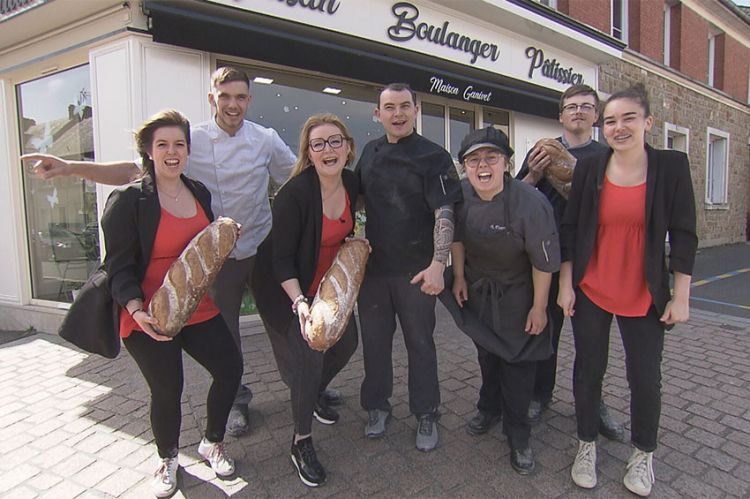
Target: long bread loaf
190	276
337	294
559	172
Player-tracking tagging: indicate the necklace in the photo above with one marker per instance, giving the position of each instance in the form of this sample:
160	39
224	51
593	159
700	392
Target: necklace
175	197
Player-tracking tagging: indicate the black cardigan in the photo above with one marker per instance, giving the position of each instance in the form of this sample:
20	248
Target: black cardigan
293	247
670	208
130	220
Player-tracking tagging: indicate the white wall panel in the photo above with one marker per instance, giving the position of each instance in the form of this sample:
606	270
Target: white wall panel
12	249
527	130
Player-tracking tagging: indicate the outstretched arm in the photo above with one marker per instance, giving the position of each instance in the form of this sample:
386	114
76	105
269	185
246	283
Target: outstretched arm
432	277
111	173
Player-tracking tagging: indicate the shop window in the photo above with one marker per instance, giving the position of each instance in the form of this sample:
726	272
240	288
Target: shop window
717	168
61	214
676	137
433	122
620	19
461	123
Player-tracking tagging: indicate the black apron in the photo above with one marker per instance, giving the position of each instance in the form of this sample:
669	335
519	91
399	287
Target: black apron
501	292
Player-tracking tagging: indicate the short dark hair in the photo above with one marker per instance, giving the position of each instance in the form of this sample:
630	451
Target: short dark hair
144	136
578	90
228	74
398	87
637	93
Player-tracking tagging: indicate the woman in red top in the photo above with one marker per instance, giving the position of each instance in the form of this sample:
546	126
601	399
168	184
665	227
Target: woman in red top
622	206
146	225
313	213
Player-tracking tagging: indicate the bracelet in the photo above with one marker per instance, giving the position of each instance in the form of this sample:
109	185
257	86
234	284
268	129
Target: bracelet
139	309
295	304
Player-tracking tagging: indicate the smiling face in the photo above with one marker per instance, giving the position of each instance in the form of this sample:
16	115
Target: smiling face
398	113
484	169
330	161
169	152
231	101
625	124
576	120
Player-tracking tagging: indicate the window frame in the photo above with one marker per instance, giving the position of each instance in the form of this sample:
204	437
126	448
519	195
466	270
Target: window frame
672	129
709	202
623	17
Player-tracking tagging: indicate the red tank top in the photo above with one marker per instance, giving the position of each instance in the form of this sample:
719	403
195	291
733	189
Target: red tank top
615	279
172	235
332	236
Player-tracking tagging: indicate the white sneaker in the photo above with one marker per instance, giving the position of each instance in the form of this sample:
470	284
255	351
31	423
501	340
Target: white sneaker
640	475
216	455
583	471
164	483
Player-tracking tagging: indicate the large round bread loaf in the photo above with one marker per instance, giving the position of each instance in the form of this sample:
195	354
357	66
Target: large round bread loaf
559	172
334	302
190	276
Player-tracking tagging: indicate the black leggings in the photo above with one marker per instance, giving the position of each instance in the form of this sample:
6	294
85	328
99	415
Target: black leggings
211	344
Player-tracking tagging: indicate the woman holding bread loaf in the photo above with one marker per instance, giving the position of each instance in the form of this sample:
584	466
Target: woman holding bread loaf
313	214
621	208
147	224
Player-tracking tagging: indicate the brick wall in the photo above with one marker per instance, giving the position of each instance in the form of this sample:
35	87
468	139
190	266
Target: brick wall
684	107
646	31
594	13
693	44
736	68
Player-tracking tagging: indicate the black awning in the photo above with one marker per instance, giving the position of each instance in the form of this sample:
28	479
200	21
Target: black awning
228	31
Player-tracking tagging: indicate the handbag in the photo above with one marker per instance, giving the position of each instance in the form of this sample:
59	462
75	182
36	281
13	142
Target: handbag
93	320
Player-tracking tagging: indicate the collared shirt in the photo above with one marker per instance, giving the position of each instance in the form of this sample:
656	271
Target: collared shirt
236	170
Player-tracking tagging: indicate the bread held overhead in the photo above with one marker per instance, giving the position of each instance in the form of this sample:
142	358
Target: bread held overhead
190	276
337	294
559	172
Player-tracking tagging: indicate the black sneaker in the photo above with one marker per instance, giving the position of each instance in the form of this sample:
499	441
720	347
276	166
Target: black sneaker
536	408
331	396
522	460
482	422
609	427
238	422
324	414
309	469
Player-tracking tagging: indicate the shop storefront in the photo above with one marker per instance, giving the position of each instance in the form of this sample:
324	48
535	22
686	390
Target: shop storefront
99	68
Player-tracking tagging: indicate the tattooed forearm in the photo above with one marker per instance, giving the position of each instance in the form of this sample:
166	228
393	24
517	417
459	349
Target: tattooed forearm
443	233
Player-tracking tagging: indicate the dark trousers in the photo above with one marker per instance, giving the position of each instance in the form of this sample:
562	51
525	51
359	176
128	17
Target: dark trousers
381	300
546	370
308	372
507	386
227	291
210	343
643	341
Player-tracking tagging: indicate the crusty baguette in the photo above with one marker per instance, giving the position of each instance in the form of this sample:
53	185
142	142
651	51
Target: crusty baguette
190	276
337	294
559	172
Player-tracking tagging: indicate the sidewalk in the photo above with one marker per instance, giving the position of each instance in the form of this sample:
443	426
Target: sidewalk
74	425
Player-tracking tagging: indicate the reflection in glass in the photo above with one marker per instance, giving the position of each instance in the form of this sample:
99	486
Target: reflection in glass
433	122
461	122
61	215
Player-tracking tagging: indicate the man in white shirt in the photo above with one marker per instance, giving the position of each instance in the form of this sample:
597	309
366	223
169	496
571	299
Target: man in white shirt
234	158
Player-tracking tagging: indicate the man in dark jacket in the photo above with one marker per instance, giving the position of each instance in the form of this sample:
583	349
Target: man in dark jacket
579	110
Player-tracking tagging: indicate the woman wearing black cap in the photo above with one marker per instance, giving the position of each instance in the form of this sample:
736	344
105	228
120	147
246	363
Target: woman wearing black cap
506	247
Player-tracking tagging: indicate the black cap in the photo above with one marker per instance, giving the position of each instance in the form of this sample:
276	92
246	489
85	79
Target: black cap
485	137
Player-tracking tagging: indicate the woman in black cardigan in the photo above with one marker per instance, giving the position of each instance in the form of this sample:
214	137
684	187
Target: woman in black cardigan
146	226
622	206
312	215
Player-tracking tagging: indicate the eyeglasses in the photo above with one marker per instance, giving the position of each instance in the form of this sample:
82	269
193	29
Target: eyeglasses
335	141
474	161
584	108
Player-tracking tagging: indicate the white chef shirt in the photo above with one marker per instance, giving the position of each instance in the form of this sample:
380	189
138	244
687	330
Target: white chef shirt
236	171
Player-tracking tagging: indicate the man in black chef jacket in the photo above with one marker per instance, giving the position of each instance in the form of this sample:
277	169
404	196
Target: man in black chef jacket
409	186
